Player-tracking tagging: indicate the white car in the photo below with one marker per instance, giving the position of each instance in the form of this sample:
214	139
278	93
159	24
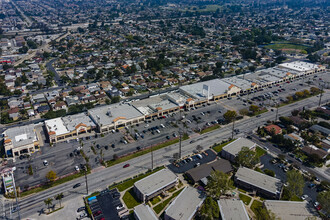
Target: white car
304	197
45	163
76	168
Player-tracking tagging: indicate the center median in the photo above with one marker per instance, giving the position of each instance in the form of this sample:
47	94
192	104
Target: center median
147	150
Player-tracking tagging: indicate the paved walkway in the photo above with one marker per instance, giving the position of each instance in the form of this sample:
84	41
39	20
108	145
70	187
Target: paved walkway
69	212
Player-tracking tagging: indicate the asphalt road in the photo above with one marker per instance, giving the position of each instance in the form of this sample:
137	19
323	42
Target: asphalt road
57	78
101	178
60	161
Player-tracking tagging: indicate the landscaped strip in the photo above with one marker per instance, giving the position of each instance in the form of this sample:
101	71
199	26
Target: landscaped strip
246	199
130	199
162	205
208	129
130	182
47	186
219	147
146	151
260	152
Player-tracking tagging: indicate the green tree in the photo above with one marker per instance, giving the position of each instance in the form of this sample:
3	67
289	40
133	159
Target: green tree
254	108
51	176
218	184
243	111
210	209
324	199
247	158
296	183
48	202
269	172
59	197
115	99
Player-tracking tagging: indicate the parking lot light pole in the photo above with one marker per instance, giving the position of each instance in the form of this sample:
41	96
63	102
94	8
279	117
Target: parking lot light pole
321	95
152	159
276	112
85	168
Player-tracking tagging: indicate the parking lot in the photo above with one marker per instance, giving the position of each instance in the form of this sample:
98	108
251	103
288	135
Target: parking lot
62	157
193	161
106	205
271	95
280	173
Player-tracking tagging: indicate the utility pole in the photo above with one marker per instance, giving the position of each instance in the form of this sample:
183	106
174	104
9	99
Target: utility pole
321	95
276	111
232	131
180	135
152	159
85	168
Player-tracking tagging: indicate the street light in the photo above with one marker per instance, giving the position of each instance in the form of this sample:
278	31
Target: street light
85	169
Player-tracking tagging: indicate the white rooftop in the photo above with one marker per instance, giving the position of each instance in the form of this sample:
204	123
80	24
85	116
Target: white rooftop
232	209
215	87
56	125
155	182
240	83
186	204
106	115
22	135
299	66
291	210
259	180
144	212
67	124
236	146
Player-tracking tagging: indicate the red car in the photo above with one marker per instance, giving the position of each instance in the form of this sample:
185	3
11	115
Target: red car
126	165
97	213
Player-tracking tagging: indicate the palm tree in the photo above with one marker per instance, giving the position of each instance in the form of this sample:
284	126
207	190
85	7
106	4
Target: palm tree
48	202
59	198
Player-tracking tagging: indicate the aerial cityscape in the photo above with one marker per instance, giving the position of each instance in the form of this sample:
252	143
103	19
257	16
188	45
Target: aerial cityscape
165	109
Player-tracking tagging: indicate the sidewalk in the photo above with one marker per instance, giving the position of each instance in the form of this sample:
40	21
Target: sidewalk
69	212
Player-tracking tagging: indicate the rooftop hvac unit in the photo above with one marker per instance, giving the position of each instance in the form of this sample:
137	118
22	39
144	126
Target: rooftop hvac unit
109	112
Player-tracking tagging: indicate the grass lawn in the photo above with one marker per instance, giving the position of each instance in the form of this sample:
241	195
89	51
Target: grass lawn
143	152
155	200
214	127
286	46
241	190
162	205
172	189
130	182
219	147
255	205
246	199
130	200
260	112
260	152
207	8
296	198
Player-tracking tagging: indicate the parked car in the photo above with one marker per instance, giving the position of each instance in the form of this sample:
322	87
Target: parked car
197	165
97	213
81	209
76	168
45	163
317	205
304	197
